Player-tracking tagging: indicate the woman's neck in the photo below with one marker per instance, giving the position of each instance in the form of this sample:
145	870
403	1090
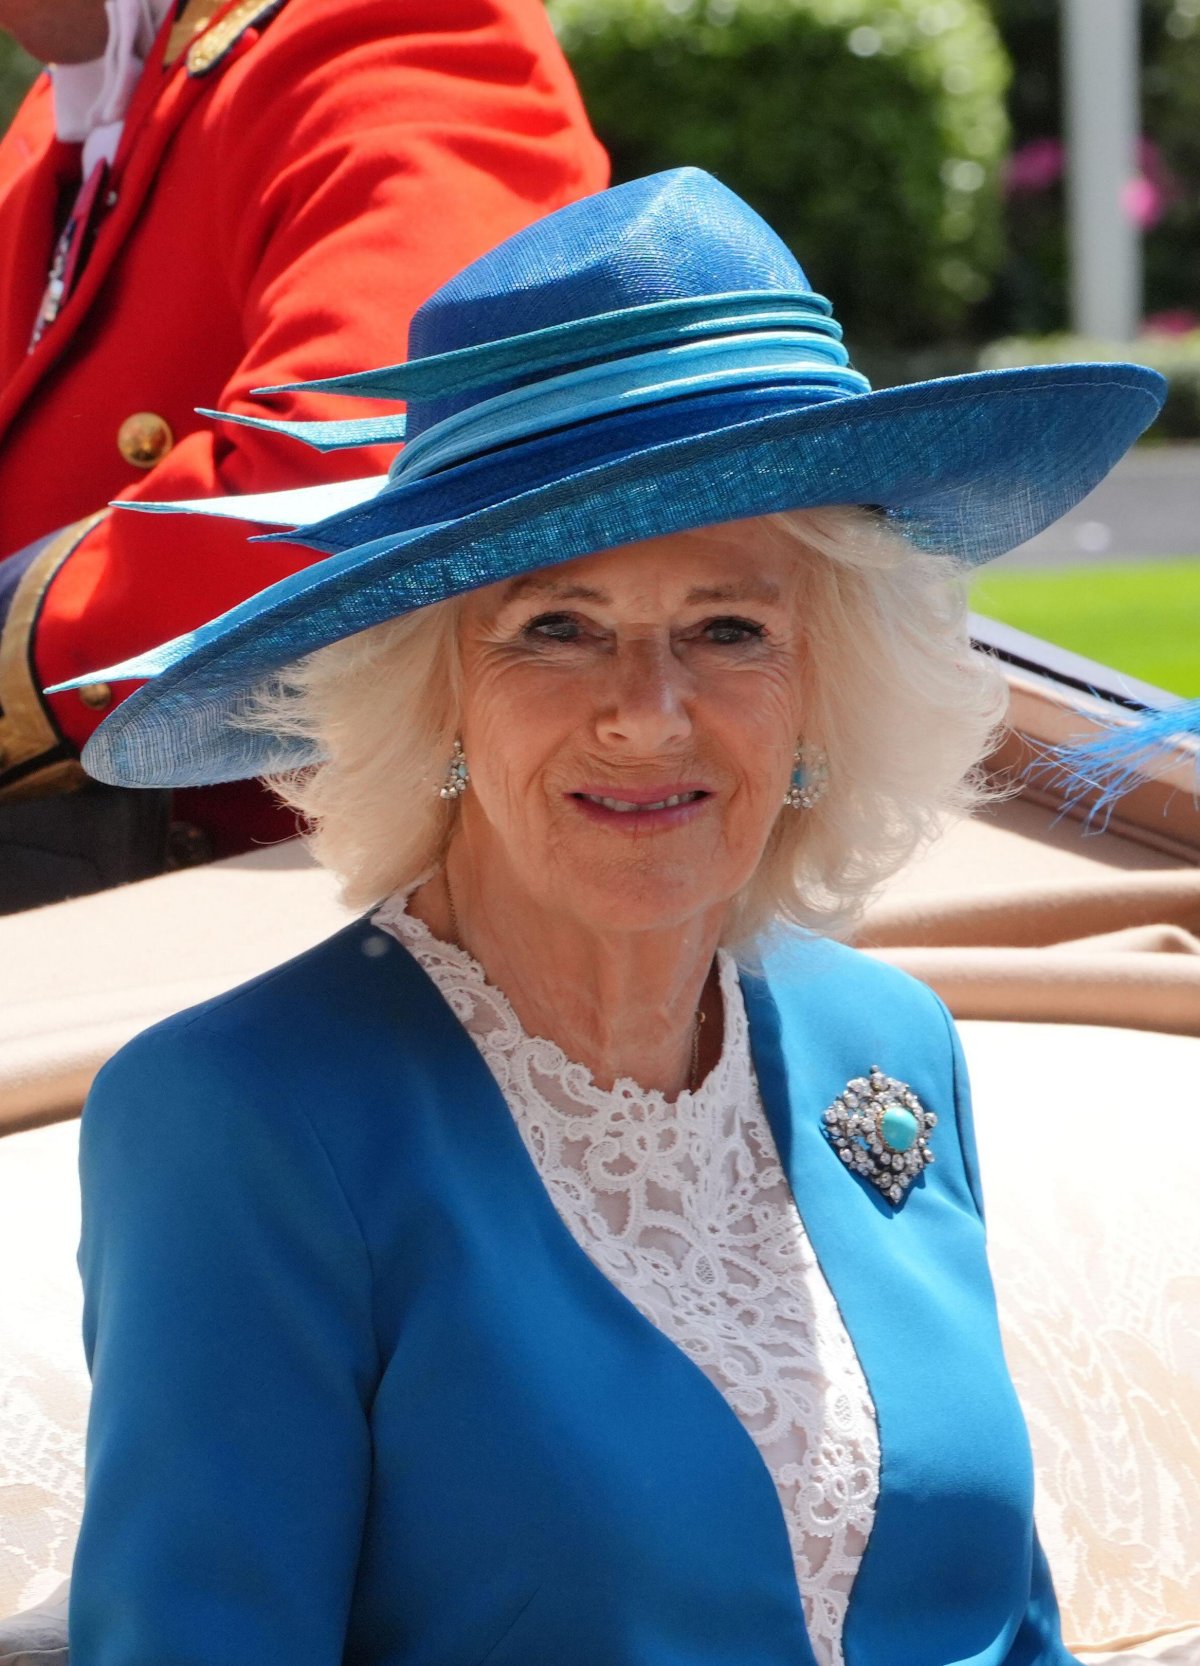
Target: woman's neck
624	1004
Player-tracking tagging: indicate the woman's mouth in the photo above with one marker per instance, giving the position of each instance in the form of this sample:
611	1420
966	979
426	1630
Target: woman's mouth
642	808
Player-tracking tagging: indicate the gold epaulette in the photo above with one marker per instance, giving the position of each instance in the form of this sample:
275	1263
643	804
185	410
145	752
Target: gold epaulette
206	46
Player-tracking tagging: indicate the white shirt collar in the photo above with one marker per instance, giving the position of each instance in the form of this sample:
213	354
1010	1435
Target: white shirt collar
90	100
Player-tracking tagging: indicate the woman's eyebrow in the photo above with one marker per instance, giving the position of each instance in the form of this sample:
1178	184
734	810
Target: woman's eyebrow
542	585
745	590
741	590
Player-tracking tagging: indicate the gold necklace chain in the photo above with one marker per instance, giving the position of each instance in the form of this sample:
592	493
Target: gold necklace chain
694	1073
697	1023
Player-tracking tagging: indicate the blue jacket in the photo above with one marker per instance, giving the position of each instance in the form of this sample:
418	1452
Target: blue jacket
359	1395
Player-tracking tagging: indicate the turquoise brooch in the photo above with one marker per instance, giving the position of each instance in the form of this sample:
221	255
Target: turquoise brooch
880	1129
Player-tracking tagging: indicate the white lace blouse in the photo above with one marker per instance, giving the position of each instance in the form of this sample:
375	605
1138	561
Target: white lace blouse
685	1208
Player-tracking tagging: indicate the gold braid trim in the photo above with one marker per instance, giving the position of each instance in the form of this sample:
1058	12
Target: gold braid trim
194	17
214	45
27	731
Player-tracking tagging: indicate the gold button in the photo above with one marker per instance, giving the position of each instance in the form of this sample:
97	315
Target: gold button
144	439
96	696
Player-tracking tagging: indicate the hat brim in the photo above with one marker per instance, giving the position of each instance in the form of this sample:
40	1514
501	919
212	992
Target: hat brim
971	465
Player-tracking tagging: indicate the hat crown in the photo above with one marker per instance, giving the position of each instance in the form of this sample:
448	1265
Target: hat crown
672	236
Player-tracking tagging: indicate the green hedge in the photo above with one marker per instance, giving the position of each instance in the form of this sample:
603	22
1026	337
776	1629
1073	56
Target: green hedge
868	132
1176	356
17	70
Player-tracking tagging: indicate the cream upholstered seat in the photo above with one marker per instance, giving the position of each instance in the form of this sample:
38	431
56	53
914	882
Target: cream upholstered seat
43	1381
1094	1234
1090	1185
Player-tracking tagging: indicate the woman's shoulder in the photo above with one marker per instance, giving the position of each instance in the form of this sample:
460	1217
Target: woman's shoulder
306	1003
278	1045
804	967
308	1080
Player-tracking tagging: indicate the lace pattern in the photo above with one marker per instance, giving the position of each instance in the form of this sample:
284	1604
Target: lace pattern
43	1378
685	1208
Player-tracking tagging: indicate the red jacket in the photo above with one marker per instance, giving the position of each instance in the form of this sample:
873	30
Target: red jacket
283	199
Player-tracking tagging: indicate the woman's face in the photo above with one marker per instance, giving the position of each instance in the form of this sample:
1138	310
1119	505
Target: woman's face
630	721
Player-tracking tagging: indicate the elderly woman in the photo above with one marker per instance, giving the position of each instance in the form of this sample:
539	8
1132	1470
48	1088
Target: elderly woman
580	1259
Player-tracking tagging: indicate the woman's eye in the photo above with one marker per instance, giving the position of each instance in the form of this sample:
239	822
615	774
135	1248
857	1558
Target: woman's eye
730	632
554	627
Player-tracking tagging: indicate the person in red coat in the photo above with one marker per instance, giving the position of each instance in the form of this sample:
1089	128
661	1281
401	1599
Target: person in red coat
287	182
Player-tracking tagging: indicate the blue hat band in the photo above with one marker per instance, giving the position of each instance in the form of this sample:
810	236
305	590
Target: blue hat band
561	346
801	358
445	380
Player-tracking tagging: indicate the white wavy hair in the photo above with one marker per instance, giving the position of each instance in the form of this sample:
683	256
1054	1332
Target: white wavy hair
893	693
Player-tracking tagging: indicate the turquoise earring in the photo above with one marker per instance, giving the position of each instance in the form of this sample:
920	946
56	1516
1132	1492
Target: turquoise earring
810	778
458	776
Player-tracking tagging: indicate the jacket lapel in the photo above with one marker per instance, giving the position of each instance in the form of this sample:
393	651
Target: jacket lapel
38	173
914	1291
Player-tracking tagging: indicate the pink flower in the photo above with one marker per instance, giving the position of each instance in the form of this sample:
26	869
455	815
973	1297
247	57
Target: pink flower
1040	164
1177	321
1142	201
1034	167
1162	188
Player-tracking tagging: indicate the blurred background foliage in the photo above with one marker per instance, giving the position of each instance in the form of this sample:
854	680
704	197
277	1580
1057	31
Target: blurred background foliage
870	133
16	72
1030	296
909	151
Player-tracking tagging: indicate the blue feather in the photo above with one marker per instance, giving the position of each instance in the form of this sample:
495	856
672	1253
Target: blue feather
1101	770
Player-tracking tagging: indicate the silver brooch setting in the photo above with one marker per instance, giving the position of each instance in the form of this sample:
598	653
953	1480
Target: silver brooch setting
880	1129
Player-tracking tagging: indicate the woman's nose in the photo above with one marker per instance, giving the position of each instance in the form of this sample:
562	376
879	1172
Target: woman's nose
645	707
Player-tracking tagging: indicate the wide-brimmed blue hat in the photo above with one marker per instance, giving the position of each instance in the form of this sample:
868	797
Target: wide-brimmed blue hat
645	361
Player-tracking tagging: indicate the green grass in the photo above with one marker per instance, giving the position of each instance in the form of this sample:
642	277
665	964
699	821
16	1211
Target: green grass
1142	619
